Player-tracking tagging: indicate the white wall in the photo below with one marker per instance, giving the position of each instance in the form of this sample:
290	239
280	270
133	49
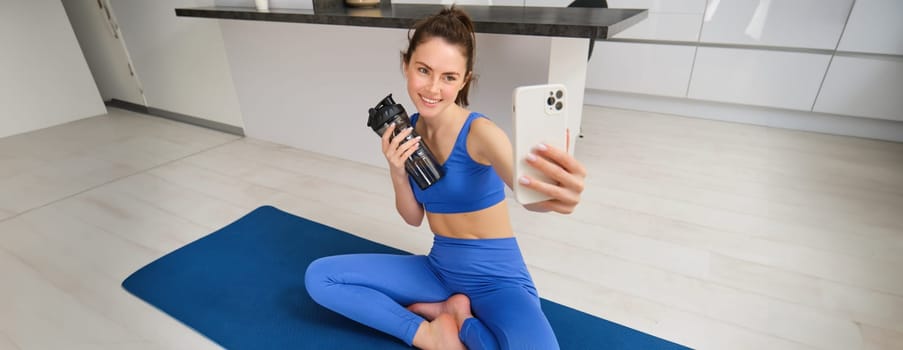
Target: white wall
44	80
309	86
300	87
181	62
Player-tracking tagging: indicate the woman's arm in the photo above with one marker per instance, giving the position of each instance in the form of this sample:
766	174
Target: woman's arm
491	145
407	206
396	153
488	144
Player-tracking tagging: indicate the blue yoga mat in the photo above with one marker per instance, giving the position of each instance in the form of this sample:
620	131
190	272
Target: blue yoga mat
243	288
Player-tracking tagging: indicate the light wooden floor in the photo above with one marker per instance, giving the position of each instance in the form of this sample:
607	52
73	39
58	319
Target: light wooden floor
710	234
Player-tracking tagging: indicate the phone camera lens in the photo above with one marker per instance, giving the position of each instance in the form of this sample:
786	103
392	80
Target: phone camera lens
559	93
559	106
550	101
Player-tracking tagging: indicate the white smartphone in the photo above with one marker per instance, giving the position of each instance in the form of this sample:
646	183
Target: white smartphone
540	116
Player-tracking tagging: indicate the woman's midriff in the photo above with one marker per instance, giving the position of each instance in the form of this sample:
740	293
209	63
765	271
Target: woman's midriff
491	222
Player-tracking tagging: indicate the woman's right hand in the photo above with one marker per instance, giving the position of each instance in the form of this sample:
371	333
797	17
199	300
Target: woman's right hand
396	152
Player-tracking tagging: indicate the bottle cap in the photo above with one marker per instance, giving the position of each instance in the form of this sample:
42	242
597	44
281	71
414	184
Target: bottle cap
383	112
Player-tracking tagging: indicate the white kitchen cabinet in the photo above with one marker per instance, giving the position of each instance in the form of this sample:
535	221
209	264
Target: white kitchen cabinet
786	23
672	6
867	86
640	68
875	26
665	26
671	20
548	3
506	2
758	77
462	2
662	6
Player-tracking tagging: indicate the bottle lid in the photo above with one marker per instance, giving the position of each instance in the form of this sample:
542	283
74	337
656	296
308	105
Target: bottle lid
383	112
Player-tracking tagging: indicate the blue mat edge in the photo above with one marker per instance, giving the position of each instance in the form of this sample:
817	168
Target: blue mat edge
262	208
667	344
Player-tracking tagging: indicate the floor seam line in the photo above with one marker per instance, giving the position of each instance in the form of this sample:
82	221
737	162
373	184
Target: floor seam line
16	215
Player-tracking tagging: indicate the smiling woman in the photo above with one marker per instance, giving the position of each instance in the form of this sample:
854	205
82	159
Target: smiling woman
449	46
473	288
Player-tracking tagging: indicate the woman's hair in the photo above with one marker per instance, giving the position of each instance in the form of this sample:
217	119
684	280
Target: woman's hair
455	27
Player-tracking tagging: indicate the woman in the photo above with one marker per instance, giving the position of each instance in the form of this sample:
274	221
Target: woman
473	289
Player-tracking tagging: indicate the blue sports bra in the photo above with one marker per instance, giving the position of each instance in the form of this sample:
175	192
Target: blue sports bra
467	185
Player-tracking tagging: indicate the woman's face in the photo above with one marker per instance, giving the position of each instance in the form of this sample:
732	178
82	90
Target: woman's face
435	74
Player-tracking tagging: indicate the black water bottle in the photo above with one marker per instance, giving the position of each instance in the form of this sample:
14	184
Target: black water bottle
421	165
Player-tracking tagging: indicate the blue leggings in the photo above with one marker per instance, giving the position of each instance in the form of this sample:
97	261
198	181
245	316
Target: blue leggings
374	289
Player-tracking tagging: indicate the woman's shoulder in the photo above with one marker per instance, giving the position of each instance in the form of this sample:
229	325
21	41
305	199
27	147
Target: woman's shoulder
481	125
480	120
486	139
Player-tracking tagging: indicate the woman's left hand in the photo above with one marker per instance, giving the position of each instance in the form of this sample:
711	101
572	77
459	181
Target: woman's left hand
562	168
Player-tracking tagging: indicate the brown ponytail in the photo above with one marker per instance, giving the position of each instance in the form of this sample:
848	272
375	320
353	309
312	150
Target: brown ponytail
455	27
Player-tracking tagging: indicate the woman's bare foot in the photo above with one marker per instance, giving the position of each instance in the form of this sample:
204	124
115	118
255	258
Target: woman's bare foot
457	305
429	311
440	334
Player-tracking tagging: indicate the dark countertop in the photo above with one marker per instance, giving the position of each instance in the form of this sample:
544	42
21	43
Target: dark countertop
595	23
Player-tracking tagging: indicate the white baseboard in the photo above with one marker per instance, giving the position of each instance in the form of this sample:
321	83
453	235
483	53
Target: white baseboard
880	129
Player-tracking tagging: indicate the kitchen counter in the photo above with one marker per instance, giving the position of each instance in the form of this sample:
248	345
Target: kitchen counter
295	66
592	23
